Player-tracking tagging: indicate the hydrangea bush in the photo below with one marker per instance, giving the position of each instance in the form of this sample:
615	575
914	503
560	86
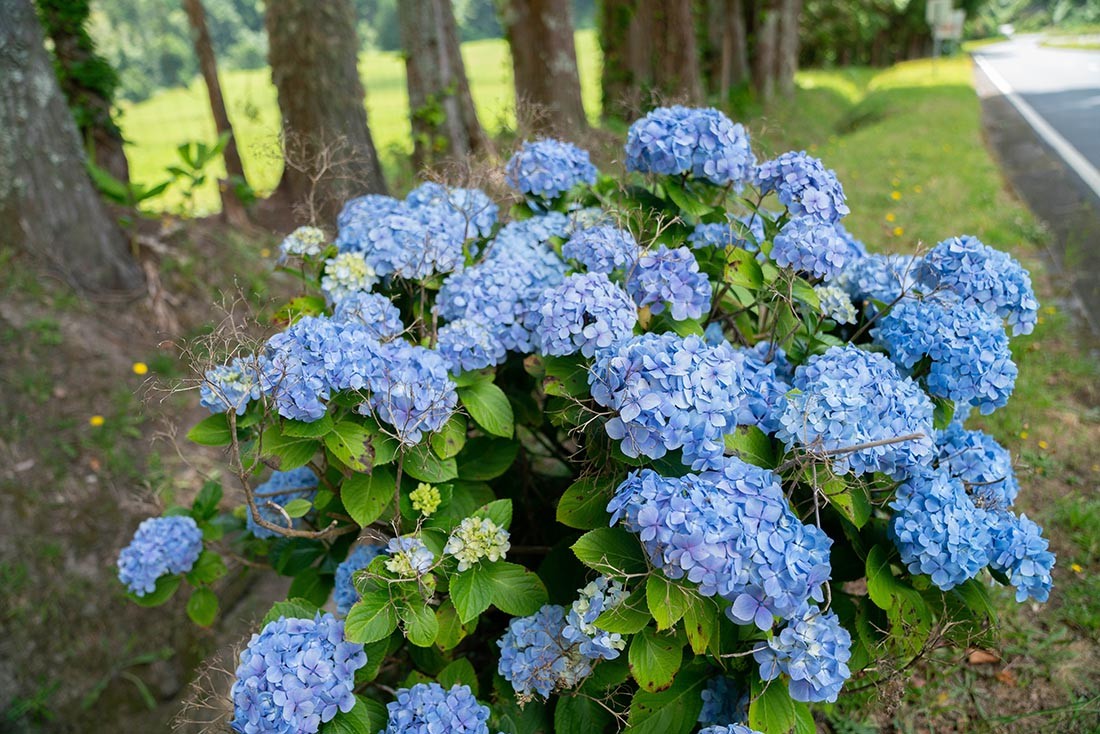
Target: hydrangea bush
669	451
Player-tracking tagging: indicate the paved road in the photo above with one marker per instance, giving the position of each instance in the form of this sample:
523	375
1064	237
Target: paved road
1062	85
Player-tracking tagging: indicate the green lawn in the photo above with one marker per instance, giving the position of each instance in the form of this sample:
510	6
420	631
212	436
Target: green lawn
154	128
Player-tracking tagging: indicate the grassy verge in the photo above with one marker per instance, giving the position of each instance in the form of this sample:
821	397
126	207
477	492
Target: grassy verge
907	144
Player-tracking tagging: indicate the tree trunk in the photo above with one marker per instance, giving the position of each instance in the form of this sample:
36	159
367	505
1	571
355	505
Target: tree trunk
87	81
204	50
619	78
674	59
725	59
444	121
765	37
790	13
544	62
47	202
328	151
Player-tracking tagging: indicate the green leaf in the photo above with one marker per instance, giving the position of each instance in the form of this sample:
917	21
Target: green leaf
753	446
688	202
312	585
579	715
458	672
366	717
351	443
976	598
742	269
489	407
701	625
584	504
628	617
451	629
654	659
165	587
298	507
449	440
515	589
499	511
423	464
289	453
803	292
291	609
565	377
486	458
771	708
365	496
372	618
943	412
202	607
674	710
612	551
471	592
212	431
850	499
301	429
882	587
667	601
207	569
803	719
421	625
206	503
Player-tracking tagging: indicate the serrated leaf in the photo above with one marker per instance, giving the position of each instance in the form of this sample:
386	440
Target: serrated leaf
423	464
211	431
207	569
674	710
584	504
742	269
471	592
451	629
667	602
611	551
515	589
565	377
630	616
372	618
499	511
771	708
686	200
165	587
943	413
202	607
366	717
419	621
485	457
313	585
288	453
302	429
701	625
850	499
654	659
449	440
753	446
291	609
579	715
206	502
489	407
298	507
882	586
351	443
365	496
458	672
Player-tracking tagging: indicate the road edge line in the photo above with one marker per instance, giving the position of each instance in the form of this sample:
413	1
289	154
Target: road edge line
1065	150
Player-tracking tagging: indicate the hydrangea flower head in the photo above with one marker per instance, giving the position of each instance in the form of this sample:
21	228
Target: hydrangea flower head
883	278
303	242
813	650
409	556
295	675
535	657
811	246
357	217
546	169
161	545
602	249
230	386
971	360
347	274
468	345
728	729
836	304
1020	551
723	703
671	278
477	212
746	232
982	464
373	311
416	243
476	538
425	499
584	313
701	142
938	530
985	277
580	622
411	390
848	397
429	708
294	374
344	592
804	186
275	493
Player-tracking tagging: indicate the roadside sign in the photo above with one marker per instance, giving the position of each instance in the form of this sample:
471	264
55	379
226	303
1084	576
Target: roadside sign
937	11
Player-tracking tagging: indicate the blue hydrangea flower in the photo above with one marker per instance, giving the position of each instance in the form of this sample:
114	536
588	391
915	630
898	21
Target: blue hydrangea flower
416	243
602	249
723	703
809	245
294	373
746	232
580	622
346	275
732	532
584	313
770	353
985	277
846	397
701	142
409	556
813	650
665	277
230	387
1020	551
358	216
535	657
429	708
473	206
303	242
294	676
804	186
836	304
938	530
971	360
526	242
344	592
729	729
546	169
882	278
467	345
856	248
765	378
280	489
411	390
161	545
373	311
982	464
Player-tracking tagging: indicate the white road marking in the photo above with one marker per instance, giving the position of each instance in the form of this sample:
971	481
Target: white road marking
1043	129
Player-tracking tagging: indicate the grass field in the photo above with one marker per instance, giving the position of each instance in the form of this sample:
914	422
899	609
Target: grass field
154	128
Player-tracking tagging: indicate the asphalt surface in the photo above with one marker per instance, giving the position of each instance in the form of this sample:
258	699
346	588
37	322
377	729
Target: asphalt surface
1062	85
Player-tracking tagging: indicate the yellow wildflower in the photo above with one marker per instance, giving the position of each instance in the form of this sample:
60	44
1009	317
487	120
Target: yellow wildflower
96	421
140	368
891	217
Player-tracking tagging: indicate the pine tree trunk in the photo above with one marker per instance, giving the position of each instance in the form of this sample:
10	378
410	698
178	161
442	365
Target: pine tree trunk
674	56
766	38
74	53
328	151
544	62
47	202
444	121
204	50
789	20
